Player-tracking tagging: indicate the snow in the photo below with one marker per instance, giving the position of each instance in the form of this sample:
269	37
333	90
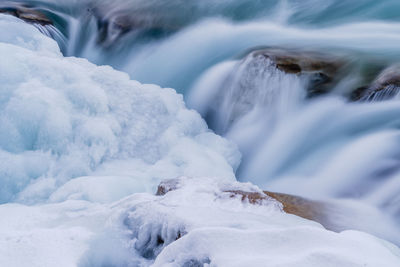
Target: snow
36	236
198	222
232	247
27	37
82	149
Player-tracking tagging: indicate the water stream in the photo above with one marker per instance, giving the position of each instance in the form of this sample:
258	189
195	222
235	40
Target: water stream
324	146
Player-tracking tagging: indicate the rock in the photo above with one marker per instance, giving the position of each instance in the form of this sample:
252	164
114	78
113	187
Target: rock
167	186
302	207
29	15
113	25
218	227
323	70
254	198
271	82
308	209
197	263
386	86
33	16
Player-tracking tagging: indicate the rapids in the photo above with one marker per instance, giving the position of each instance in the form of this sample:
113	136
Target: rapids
324	147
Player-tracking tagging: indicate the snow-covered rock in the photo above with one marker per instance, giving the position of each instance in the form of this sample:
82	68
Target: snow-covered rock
201	223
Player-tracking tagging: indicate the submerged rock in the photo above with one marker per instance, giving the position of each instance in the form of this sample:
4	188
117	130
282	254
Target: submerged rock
112	25
386	86
268	83
321	69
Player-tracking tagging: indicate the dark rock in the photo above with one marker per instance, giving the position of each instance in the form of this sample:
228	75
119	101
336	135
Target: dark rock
358	93
33	16
323	70
29	15
114	25
266	78
196	263
167	186
384	87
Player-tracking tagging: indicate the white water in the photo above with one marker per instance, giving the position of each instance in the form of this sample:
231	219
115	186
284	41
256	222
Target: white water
317	148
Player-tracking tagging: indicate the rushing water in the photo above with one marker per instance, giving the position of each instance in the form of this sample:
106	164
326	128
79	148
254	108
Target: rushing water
324	147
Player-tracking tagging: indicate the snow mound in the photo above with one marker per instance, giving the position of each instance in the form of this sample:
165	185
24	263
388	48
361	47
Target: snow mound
63	118
199	223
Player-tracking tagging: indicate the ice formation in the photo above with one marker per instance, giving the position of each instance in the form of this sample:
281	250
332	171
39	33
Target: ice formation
63	118
82	147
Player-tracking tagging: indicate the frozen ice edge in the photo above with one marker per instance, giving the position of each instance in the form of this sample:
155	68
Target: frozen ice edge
78	158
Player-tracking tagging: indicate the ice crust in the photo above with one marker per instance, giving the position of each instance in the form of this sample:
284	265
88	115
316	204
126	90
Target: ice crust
82	148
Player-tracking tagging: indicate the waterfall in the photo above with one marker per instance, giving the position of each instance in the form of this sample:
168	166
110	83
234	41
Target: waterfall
255	86
319	147
54	33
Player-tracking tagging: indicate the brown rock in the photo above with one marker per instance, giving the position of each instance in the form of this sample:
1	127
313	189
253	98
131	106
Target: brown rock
27	14
250	197
166	186
33	16
308	209
294	61
324	70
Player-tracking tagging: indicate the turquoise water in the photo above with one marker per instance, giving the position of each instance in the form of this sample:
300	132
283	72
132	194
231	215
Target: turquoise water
171	43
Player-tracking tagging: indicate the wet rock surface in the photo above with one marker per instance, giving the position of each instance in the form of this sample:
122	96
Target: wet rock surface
272	82
385	87
323	70
114	25
27	14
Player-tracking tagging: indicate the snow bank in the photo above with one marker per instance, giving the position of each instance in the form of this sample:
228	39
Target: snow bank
198	223
62	118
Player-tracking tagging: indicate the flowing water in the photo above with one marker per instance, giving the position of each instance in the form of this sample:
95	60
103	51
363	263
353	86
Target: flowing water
322	146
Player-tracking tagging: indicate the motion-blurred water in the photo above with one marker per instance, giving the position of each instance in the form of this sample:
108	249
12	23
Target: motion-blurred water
322	147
